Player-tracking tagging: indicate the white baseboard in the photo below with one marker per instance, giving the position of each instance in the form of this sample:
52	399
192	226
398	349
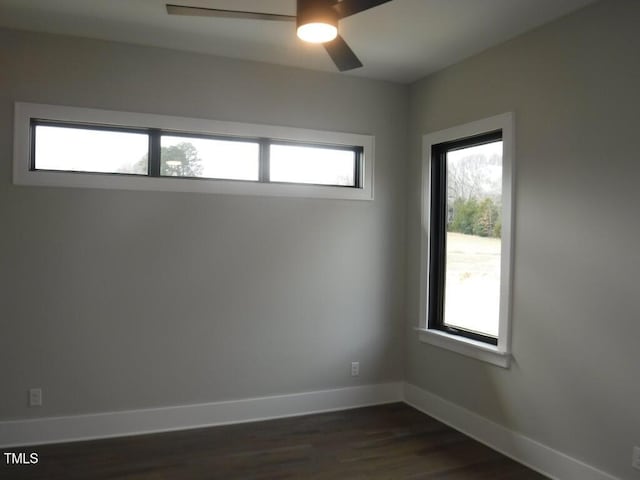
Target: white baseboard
116	424
535	455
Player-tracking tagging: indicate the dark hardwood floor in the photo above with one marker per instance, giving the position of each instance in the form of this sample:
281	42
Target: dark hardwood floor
383	442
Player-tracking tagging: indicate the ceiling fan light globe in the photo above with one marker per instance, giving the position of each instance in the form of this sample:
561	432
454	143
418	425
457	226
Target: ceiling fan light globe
317	32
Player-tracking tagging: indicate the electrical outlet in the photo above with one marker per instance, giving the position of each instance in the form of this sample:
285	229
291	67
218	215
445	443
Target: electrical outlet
355	369
35	397
635	462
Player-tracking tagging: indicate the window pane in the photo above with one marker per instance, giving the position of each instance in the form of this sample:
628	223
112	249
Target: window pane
209	158
472	272
86	150
307	164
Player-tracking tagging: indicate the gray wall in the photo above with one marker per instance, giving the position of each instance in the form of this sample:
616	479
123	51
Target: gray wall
574	88
116	300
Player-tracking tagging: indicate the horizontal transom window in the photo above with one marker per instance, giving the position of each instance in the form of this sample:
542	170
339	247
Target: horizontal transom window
67	146
151	152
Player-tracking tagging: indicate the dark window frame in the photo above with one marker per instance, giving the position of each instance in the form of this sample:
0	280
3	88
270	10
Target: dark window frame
154	151
438	228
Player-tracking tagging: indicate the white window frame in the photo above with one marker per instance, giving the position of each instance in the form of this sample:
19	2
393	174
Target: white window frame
23	175
499	354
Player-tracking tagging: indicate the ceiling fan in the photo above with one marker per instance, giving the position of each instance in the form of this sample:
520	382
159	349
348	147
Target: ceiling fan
316	21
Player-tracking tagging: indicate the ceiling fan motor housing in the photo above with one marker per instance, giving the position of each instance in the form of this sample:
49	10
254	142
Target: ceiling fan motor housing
316	11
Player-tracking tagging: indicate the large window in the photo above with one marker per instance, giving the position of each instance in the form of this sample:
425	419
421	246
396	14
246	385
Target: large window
467	254
65	146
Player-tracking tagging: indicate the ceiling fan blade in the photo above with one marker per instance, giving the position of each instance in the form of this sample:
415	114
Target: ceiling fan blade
215	12
346	8
342	55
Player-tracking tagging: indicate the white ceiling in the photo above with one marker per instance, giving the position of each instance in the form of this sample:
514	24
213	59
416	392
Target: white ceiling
401	41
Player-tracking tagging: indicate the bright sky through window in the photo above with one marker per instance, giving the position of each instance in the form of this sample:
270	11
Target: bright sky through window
303	164
228	159
456	158
83	150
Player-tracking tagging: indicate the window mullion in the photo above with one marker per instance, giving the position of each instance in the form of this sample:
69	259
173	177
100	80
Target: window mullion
154	152
264	161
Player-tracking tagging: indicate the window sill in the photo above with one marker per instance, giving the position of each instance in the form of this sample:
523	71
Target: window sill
466	346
